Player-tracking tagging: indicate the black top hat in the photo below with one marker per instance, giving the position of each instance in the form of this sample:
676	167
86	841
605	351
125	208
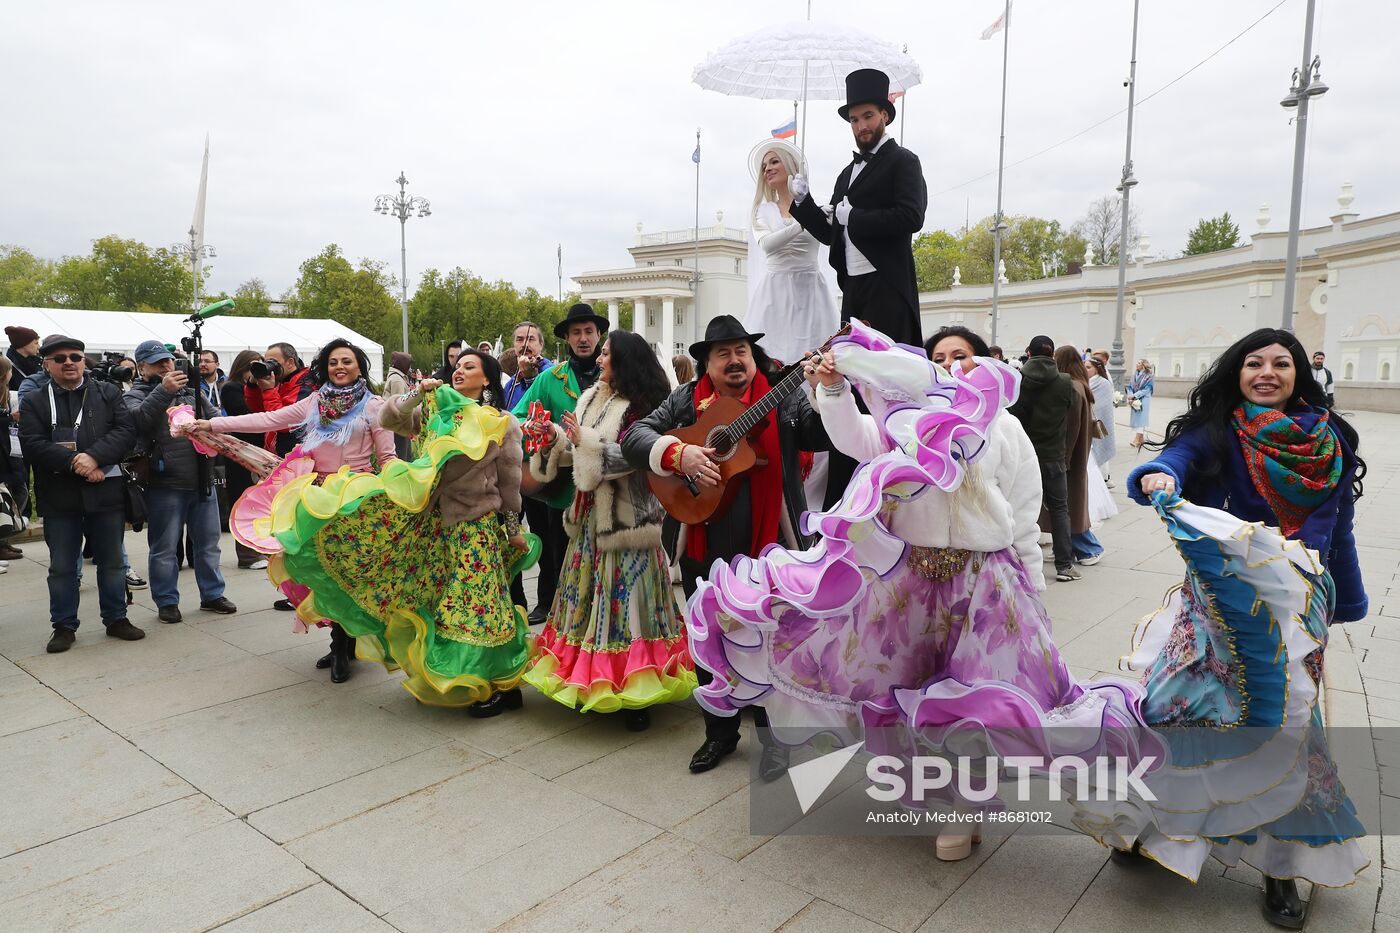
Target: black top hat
867	86
722	329
580	314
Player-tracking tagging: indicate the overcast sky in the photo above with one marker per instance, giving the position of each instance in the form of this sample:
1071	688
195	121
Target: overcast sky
534	123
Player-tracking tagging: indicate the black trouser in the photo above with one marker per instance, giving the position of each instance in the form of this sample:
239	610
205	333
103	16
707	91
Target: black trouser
548	525
1055	495
872	299
725	539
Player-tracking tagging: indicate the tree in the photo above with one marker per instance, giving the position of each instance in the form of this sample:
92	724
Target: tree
138	278
1214	234
936	255
1101	228
251	299
312	294
23	278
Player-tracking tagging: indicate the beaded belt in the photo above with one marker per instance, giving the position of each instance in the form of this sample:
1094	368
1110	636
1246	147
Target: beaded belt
937	563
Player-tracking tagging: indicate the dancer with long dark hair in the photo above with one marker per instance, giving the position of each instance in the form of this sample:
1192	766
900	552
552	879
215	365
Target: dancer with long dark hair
340	435
613	639
1257	482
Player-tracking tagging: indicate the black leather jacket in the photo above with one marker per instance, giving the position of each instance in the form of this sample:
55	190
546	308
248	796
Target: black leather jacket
799	428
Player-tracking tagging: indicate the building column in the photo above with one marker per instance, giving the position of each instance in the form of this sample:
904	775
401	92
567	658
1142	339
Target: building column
639	317
612	314
668	330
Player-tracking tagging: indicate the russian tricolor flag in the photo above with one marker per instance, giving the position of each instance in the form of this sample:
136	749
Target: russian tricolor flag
787	131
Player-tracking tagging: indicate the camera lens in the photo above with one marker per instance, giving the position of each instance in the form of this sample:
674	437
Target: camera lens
259	369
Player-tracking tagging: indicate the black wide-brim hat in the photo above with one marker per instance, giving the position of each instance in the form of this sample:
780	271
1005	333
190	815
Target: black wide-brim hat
580	314
722	329
867	86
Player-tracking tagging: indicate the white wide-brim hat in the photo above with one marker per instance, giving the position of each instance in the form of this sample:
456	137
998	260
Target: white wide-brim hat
757	153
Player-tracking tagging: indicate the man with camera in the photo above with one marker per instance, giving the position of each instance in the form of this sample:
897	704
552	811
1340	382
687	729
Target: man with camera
174	499
281	383
75	432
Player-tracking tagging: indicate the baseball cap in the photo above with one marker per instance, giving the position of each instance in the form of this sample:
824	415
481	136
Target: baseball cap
151	351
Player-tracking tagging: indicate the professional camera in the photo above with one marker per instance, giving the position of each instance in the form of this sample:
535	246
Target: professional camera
110	368
261	369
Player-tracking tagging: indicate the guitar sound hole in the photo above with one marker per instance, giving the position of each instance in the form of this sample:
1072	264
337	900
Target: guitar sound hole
719	440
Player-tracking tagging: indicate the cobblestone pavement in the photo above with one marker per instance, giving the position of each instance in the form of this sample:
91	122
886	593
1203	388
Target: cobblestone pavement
210	777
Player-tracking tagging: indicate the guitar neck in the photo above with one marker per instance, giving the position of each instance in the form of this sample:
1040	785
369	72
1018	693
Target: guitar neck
760	409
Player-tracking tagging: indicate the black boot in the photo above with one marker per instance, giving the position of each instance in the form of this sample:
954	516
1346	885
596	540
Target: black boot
498	704
1282	906
341	646
324	661
636	720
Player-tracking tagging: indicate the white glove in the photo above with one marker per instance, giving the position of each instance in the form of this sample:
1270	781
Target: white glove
843	211
799	189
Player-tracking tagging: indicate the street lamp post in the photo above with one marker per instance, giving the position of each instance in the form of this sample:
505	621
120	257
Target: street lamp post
1116	366
1307	84
402	207
196	254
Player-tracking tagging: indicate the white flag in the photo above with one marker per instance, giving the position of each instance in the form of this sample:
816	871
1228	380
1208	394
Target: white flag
997	26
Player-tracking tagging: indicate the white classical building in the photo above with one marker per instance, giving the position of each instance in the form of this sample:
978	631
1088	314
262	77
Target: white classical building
1180	313
667	309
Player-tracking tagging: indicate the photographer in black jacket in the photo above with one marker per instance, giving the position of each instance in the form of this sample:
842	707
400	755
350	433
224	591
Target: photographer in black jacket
174	500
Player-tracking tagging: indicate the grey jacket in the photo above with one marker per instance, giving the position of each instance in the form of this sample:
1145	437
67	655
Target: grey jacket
174	462
799	428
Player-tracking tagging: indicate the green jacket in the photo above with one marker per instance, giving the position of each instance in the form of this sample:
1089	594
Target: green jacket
1043	406
557	389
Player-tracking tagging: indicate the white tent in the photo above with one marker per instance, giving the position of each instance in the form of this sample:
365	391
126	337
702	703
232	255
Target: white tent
121	331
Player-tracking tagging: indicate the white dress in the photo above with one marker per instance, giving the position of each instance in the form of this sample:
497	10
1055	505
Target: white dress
789	301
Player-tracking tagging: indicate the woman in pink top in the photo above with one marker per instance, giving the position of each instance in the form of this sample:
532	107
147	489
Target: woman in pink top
339	427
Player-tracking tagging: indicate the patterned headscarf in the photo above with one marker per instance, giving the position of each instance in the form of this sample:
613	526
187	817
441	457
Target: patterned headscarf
1295	467
338	409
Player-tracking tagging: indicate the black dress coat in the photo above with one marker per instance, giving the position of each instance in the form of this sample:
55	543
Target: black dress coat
888	203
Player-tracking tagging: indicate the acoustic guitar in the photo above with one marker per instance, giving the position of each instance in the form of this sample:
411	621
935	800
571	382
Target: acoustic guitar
725	426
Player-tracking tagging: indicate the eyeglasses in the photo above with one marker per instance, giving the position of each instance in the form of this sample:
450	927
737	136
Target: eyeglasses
67	358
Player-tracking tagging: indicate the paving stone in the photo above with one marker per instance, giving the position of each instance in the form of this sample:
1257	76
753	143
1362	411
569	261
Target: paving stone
27	704
76	775
317	909
822	917
96	669
1048	873
193	883
379	856
516	880
342	800
500	736
251	753
53	864
701	890
599	736
895	881
1149	899
723	827
670	794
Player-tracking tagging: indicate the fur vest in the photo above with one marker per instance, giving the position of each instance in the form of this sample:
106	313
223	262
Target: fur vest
625	514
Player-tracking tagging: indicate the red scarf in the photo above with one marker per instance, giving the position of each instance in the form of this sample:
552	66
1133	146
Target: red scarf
765	481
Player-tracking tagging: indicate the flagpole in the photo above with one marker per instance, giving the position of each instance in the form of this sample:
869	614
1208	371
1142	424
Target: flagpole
998	224
695	280
904	105
559	258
